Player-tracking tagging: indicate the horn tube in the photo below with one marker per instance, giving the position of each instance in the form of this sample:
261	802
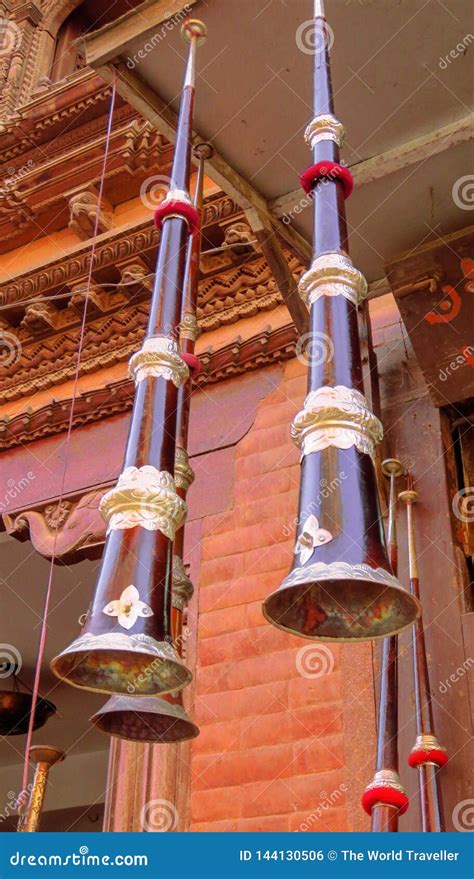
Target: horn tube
126	642
385	798
340	586
428	756
152	718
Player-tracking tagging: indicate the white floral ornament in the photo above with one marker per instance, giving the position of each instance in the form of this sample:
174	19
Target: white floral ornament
128	608
311	537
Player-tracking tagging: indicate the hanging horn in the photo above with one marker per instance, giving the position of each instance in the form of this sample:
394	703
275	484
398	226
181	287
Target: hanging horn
427	755
385	798
127	639
340	586
44	756
154	719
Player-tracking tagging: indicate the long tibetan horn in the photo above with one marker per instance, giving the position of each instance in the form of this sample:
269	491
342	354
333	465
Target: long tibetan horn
152	718
385	798
427	755
340	586
126	641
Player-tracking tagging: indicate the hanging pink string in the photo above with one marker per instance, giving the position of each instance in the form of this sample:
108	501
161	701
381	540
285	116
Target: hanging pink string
42	640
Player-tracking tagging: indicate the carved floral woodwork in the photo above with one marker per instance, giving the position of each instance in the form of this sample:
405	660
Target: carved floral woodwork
118	306
85	213
78	523
38	185
240	239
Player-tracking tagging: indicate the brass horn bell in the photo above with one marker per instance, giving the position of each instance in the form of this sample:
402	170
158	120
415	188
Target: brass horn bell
146	719
340	586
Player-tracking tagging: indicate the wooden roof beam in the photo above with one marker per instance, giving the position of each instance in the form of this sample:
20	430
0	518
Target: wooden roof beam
278	265
393	160
155	109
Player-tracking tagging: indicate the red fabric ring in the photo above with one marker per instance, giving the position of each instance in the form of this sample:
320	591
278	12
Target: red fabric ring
427	755
328	170
389	796
175	206
193	362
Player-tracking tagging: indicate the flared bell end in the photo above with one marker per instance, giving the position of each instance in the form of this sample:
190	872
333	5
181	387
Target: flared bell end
115	663
146	719
341	602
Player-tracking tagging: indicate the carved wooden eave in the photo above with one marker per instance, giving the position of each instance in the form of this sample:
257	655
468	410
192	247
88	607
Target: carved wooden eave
45	332
234	358
34	193
82	95
434	289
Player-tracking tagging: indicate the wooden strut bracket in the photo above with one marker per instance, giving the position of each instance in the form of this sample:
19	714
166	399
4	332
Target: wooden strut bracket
272	250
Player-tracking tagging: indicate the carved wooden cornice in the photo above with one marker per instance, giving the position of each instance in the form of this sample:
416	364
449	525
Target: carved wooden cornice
113	248
41	118
34	192
42	309
239	356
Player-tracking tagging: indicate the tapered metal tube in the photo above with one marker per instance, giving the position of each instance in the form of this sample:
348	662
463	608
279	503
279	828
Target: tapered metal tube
45	757
385	801
427	755
153	719
126	643
340	586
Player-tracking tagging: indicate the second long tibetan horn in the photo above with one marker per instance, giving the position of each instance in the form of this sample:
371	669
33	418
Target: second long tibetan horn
427	755
385	798
340	586
126	641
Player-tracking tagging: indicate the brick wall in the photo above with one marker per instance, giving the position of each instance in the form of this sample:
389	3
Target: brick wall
274	751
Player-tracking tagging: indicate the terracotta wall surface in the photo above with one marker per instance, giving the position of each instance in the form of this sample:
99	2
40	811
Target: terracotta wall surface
272	708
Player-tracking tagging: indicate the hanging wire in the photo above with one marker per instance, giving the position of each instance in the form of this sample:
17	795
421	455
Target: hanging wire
42	640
